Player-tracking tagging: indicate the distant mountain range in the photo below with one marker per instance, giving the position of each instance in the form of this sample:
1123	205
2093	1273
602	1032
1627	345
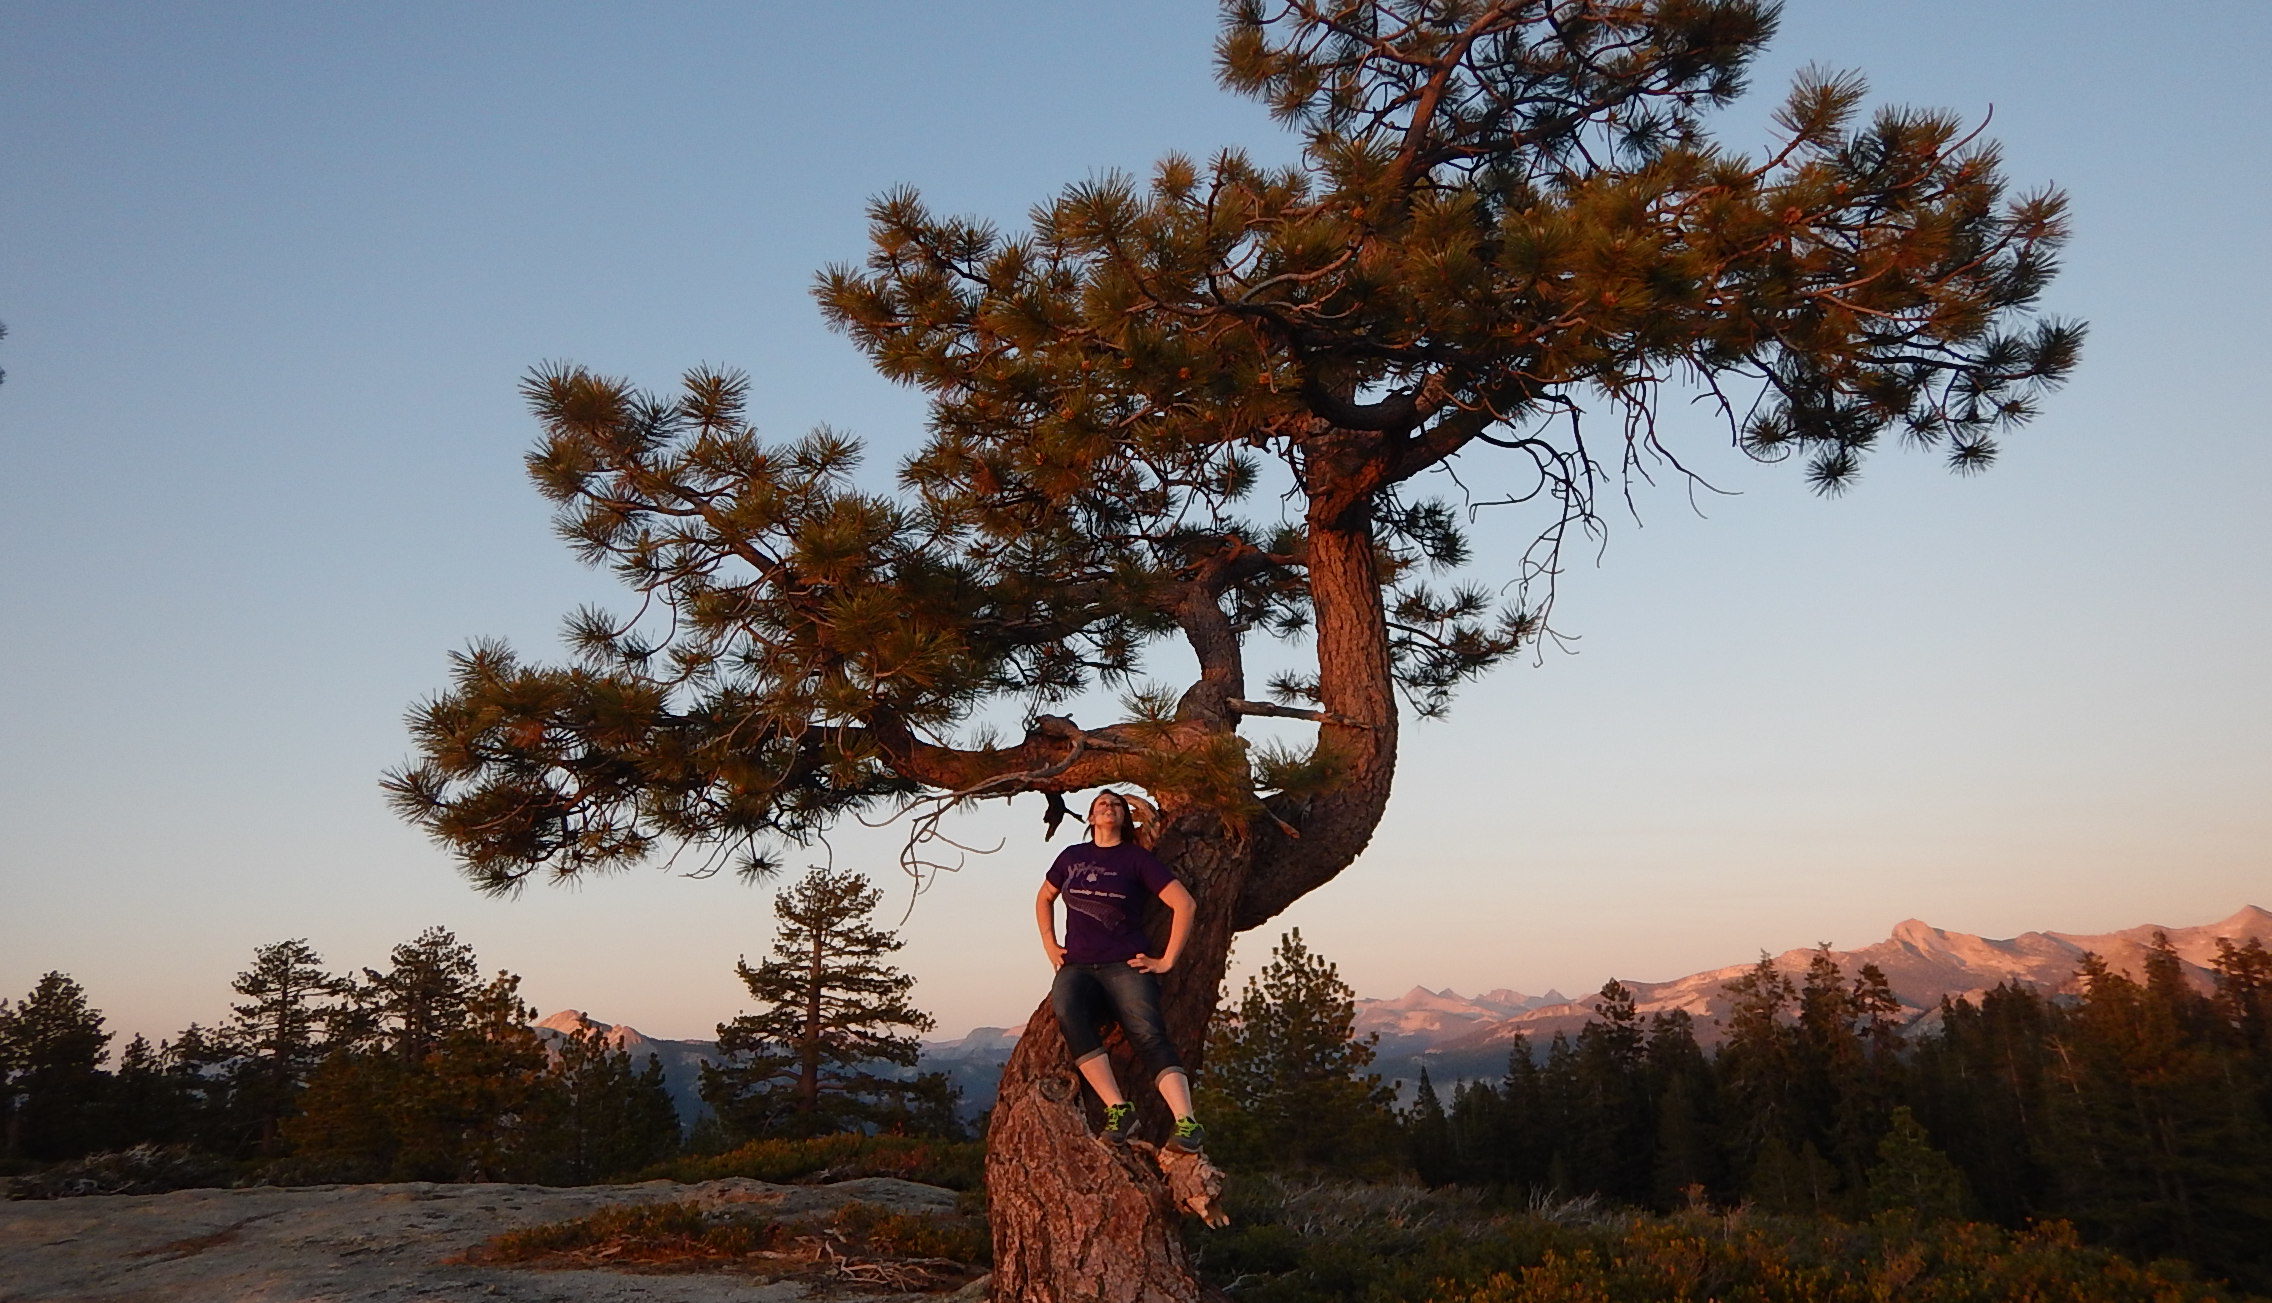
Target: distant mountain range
1459	1037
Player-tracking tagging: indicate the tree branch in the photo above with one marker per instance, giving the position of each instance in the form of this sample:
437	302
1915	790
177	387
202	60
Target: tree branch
1238	706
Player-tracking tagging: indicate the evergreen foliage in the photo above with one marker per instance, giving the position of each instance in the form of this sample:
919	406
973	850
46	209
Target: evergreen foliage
1913	1179
1509	243
277	1034
52	1045
1311	1241
423	1071
832	1012
614	1116
2136	1111
1285	1085
423	996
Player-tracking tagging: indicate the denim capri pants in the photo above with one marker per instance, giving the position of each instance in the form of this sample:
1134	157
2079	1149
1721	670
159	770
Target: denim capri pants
1085	996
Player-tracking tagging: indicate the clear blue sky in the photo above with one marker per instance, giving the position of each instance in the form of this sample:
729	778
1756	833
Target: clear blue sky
271	273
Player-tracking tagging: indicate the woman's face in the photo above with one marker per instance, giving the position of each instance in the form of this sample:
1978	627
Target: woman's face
1108	812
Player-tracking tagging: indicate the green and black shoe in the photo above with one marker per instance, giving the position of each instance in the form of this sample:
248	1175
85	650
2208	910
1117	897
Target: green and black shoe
1190	1137
1119	1120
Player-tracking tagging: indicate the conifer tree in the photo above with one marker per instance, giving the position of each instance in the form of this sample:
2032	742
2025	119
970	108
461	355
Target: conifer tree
1509	242
1912	1178
148	1101
831	1011
1612	1120
349	1123
1433	1155
1978	1084
1685	1162
1759	1063
430	1074
195	1062
1286	1073
51	1079
615	1116
422	997
482	1105
287	1002
1522	1142
2243	976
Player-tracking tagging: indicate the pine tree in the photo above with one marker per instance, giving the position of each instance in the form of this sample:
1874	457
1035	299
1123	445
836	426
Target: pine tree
1523	1145
429	1074
831	1011
1978	1084
1508	222
51	1079
360	1115
348	1127
287	995
1286	1084
2154	1129
422	997
1428	1131
148	1101
1686	1164
1759	1070
1613	1123
615	1117
483	1104
196	1062
1912	1178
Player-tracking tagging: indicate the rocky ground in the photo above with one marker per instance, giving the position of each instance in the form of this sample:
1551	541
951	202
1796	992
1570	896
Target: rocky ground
367	1243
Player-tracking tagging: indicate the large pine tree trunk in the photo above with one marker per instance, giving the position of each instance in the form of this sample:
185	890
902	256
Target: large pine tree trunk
1077	1219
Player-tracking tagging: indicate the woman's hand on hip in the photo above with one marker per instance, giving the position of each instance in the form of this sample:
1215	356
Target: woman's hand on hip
1147	964
1056	954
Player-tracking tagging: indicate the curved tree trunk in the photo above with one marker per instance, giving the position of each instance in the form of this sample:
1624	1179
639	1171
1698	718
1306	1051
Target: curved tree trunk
1077	1219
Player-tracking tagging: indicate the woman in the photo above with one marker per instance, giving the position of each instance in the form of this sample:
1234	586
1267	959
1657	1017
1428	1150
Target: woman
1104	970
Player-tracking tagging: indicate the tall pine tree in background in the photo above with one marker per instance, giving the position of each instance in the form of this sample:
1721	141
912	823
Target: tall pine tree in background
52	1045
481	1105
1286	1085
614	1116
831	1012
288	1000
419	999
1509	243
400	1093
1612	1115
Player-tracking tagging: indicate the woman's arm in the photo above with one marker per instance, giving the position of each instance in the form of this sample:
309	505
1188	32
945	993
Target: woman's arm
1045	914
1177	898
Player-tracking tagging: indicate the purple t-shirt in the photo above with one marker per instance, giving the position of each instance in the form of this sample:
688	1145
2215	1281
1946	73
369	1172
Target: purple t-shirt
1104	889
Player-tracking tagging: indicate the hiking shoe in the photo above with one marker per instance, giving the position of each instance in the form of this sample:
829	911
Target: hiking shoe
1119	1120
1190	1137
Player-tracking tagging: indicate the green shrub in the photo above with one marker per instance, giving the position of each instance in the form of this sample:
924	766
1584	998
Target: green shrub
957	1165
955	1237
661	1230
1318	1242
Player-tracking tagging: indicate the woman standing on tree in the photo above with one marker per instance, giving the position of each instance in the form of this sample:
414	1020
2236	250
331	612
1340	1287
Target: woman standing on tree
1104	970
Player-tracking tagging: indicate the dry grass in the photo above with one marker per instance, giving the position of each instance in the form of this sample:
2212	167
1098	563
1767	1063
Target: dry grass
859	1243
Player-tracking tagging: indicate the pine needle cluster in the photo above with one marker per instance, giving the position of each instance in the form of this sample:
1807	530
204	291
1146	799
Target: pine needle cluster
1509	242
